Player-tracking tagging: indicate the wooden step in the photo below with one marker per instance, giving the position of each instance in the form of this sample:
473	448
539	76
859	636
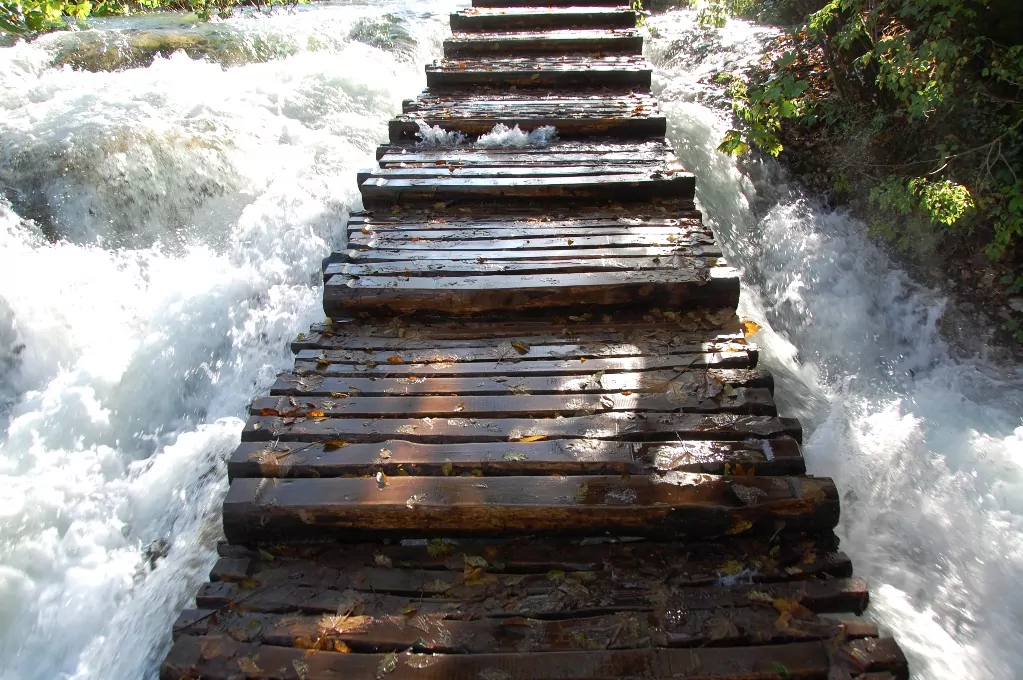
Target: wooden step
476	20
558	153
676	506
631	72
548	3
574	115
779	456
555	42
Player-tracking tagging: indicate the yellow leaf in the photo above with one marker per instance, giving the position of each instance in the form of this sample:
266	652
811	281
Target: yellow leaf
268	412
520	347
317	414
531	438
248	584
750	327
395	359
740	526
341	647
731	567
385	453
333	445
447	468
339	395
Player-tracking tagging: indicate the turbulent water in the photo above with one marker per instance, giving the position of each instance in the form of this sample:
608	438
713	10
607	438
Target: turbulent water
179	207
166	194
927	450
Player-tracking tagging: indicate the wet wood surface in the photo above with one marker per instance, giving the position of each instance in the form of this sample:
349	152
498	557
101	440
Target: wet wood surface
531	440
547	43
540	72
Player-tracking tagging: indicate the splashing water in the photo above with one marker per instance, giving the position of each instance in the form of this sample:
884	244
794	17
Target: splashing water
161	231
927	450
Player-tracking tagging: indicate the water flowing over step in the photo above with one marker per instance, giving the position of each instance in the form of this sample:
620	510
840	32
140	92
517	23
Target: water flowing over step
532	440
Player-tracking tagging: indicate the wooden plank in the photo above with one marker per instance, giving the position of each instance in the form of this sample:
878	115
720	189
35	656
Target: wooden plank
434	171
656	335
444	268
779	456
223	658
565	252
406	128
466	295
456	241
378	191
482	593
677	505
705	383
527	234
438	635
547	3
558	152
624	41
620	426
541	72
728	358
537	19
742	400
784	558
396	352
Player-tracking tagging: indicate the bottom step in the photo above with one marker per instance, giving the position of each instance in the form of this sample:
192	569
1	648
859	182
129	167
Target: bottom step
531	610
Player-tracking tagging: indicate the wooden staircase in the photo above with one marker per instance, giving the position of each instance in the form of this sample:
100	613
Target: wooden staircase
531	441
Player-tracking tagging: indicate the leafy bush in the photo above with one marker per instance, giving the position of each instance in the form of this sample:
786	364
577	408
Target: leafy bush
28	17
933	88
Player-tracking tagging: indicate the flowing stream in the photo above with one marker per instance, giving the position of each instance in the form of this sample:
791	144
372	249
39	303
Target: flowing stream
166	194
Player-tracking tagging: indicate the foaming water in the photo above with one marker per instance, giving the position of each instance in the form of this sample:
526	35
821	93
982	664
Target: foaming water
927	449
161	231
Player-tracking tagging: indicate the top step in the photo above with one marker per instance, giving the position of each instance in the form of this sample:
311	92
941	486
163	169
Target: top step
541	18
549	3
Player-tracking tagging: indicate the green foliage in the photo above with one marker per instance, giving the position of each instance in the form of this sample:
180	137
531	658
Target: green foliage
31	17
762	109
933	88
943	202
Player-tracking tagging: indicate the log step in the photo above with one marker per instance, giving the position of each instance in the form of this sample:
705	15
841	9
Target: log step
574	115
475	20
631	72
778	456
548	3
675	506
545	43
558	153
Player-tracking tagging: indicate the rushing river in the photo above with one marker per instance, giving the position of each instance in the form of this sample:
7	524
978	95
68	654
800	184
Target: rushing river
162	220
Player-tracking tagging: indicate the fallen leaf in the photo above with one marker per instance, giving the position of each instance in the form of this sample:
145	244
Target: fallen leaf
415	500
475	561
385	453
388	664
333	445
447	468
339	395
395	359
248	665
383	561
520	347
750	327
512	456
301	669
268	412
531	438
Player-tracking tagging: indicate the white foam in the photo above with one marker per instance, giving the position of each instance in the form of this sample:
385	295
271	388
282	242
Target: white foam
501	136
191	206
